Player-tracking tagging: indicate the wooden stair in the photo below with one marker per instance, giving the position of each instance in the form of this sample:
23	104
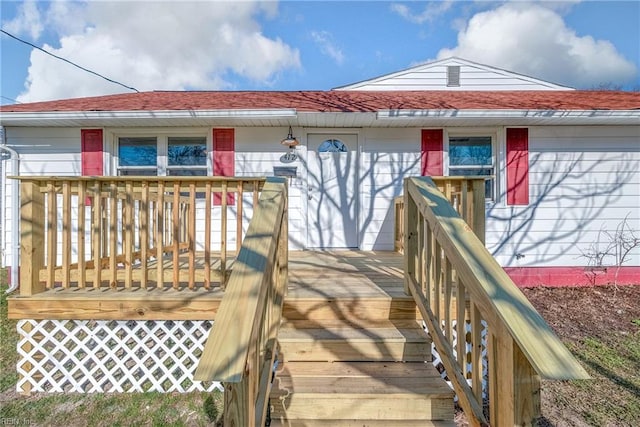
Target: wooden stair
337	340
353	361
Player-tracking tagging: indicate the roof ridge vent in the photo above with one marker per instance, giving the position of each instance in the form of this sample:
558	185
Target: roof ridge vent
453	75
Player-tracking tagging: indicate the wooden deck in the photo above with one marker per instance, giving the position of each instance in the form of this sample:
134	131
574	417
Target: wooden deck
328	283
350	345
319	282
347	334
364	274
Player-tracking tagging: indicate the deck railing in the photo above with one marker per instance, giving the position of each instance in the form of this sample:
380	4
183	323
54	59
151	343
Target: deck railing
125	232
455	281
465	193
241	347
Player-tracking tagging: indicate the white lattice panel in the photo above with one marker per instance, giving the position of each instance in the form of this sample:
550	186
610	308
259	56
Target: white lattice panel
437	361
111	356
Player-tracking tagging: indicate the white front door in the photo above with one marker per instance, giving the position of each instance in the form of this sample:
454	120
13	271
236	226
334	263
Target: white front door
332	179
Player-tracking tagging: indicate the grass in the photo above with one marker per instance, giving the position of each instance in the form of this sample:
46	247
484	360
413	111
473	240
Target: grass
122	409
612	397
8	340
76	409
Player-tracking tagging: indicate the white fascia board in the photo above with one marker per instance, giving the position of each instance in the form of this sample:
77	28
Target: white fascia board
631	115
23	118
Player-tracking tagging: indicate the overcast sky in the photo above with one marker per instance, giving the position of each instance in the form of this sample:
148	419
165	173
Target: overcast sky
295	45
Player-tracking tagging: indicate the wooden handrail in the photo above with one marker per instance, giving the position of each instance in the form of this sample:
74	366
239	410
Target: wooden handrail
453	278
241	346
127	232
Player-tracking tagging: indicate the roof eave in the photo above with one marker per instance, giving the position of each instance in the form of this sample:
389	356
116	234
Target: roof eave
279	117
29	118
524	116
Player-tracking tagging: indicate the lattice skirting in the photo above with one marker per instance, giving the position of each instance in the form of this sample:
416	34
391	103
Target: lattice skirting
437	361
111	356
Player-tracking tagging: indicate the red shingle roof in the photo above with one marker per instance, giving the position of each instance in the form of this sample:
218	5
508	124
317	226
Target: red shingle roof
343	101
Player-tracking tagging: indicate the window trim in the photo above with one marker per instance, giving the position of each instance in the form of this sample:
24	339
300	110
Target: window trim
162	141
492	133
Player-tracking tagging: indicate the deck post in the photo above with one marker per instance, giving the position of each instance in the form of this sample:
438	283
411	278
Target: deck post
238	407
514	384
411	244
478	223
527	390
31	238
283	250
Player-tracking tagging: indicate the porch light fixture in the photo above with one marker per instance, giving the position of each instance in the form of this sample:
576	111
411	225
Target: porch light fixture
290	141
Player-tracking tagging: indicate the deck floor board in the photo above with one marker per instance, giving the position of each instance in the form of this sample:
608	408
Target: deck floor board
315	279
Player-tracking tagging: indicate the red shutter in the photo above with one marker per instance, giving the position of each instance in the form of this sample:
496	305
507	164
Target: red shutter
431	154
517	166
91	145
224	161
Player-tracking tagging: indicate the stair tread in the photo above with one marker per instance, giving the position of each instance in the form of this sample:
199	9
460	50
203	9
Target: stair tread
338	379
294	405
361	423
343	323
391	330
384	292
357	369
358	309
365	388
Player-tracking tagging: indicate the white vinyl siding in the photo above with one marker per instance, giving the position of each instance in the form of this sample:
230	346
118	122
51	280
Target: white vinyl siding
257	151
436	76
583	181
43	151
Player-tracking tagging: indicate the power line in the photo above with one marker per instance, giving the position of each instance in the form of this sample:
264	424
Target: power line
11	99
67	61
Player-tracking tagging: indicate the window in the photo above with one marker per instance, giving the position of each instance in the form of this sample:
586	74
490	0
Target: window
332	146
473	156
187	156
161	155
137	156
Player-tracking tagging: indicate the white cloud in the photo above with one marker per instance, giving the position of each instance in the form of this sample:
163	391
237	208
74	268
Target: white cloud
431	11
27	21
324	40
156	45
535	40
560	6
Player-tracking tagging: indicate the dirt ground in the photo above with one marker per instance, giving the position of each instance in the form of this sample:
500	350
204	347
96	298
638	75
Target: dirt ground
605	312
601	325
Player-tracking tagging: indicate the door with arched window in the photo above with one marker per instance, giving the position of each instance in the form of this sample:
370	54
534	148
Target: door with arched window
332	179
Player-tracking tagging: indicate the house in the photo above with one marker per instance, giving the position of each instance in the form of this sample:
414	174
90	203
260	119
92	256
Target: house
562	165
146	217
